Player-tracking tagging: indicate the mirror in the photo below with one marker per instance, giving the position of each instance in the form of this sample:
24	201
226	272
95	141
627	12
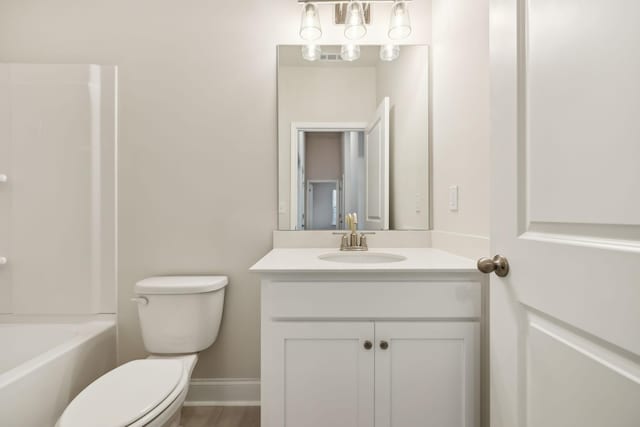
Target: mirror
353	137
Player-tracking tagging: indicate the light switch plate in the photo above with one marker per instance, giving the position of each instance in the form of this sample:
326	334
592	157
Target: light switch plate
453	198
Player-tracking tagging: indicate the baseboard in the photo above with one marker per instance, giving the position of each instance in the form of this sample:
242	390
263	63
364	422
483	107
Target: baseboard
465	245
224	392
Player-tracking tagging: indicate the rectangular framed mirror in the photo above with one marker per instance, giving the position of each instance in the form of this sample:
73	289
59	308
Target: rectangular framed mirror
353	137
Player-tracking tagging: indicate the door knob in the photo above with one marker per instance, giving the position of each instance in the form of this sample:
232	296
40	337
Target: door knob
368	345
384	345
498	263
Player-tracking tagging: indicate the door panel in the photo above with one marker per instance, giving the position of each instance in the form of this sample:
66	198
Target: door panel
429	375
323	374
376	153
595	386
565	101
582	104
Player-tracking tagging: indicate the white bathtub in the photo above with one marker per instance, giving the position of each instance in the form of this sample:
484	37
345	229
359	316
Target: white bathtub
43	366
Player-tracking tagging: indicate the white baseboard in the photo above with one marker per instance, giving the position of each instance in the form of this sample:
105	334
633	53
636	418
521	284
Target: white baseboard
224	392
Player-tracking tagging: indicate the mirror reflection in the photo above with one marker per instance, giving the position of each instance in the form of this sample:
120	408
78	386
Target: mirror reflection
353	139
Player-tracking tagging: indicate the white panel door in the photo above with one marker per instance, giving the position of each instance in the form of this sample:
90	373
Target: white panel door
427	374
323	374
376	152
565	323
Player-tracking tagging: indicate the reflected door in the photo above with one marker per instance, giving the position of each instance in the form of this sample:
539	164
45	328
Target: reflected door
376	151
322	205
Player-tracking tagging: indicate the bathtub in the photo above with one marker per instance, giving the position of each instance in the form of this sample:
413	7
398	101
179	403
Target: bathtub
44	365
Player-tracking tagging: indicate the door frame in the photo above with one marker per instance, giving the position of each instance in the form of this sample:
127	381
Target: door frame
293	163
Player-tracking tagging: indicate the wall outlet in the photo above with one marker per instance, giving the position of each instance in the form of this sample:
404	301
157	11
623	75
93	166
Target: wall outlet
453	198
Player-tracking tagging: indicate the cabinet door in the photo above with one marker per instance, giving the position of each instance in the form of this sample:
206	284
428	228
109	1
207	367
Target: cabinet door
322	374
428	375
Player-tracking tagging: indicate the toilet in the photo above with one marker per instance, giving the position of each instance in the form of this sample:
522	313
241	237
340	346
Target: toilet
179	317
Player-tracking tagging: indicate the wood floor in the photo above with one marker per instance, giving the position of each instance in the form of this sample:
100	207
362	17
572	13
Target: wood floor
221	416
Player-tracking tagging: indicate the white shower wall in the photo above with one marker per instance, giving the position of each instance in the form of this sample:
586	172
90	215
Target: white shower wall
58	206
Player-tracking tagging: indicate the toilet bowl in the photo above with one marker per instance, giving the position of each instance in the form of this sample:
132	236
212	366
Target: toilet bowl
179	316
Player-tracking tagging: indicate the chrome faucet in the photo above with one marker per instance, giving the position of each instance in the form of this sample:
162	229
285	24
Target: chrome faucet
353	241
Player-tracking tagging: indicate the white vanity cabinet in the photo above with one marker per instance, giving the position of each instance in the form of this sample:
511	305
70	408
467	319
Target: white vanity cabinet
362	348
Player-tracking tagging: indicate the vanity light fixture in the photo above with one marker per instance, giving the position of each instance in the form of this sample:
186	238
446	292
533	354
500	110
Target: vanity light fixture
310	23
389	52
354	14
354	27
350	52
311	52
400	25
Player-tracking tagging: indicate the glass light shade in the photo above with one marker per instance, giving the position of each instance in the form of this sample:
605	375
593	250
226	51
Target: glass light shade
400	25
350	52
389	52
311	52
310	23
354	27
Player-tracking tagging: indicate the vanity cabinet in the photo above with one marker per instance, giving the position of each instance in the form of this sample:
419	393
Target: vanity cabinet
361	374
365	350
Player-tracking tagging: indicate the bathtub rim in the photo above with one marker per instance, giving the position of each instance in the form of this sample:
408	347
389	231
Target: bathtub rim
91	327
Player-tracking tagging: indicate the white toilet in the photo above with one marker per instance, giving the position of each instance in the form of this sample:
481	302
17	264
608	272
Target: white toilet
179	316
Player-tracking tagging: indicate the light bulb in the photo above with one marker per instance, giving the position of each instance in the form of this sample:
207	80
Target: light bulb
350	52
354	27
389	52
311	52
400	25
310	23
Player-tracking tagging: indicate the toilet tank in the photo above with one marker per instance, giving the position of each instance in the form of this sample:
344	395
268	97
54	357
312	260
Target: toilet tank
180	314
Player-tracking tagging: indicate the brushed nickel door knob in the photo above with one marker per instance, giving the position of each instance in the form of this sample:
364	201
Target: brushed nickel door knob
498	263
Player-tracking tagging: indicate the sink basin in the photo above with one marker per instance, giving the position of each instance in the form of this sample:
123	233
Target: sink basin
362	257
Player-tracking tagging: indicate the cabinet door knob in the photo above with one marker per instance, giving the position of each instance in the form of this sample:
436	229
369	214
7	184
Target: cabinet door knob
384	345
368	345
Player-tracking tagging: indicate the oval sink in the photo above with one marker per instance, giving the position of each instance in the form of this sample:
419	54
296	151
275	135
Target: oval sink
362	257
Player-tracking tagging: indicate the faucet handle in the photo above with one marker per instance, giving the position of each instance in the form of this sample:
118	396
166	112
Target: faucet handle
344	243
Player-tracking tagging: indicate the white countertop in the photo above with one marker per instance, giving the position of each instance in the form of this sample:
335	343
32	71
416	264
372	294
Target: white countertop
291	260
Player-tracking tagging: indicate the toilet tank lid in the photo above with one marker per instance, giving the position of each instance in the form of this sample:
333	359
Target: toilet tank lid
177	285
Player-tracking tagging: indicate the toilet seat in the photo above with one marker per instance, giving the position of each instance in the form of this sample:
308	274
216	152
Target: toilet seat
130	395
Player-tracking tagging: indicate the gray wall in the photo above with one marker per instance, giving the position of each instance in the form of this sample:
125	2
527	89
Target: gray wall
197	159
